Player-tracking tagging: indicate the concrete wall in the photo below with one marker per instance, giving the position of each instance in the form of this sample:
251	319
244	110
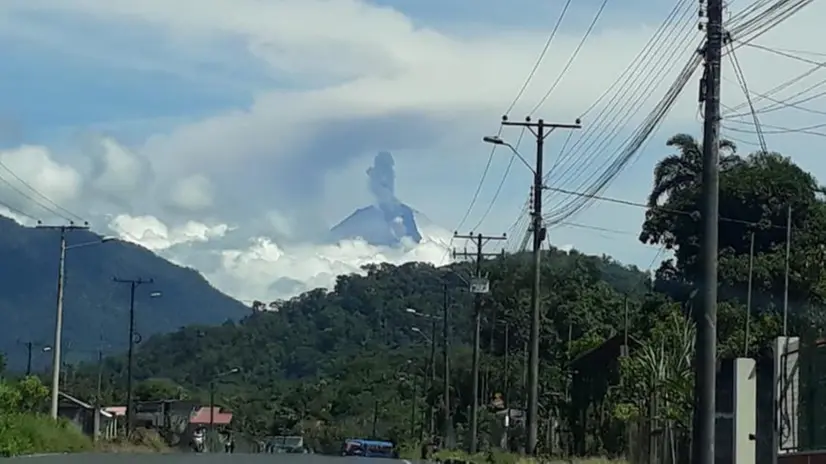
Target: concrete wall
745	411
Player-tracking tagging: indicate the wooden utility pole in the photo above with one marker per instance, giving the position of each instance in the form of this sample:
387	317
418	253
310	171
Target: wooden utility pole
540	130
478	286
133	284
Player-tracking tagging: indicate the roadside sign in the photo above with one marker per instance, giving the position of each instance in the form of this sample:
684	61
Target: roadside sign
479	285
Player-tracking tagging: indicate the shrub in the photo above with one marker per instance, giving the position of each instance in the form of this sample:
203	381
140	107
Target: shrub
31	433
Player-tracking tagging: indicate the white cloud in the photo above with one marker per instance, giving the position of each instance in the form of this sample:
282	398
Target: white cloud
37	182
153	234
192	193
362	79
258	270
119	172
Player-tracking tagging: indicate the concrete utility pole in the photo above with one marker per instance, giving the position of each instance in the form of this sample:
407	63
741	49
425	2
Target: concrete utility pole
58	326
432	381
133	284
706	377
540	129
448	421
478	286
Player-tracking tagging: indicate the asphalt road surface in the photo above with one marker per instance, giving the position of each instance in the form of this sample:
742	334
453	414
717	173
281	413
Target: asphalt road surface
192	458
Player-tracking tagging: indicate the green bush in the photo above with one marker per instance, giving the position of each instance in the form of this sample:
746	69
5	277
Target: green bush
23	430
31	434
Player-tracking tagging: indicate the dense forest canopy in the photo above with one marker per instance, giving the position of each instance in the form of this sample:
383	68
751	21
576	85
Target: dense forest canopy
327	361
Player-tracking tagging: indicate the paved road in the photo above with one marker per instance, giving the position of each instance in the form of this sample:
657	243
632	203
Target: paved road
191	458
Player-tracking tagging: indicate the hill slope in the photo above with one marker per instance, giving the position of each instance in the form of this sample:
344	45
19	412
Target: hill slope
357	339
96	309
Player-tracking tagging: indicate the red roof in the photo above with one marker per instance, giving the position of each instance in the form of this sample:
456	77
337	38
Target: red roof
116	410
201	416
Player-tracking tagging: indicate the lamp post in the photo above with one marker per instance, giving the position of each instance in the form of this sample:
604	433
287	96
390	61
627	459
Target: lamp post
134	338
540	129
58	330
432	361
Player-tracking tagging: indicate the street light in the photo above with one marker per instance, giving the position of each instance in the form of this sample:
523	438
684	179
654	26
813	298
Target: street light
421	332
496	140
58	330
214	379
90	243
134	338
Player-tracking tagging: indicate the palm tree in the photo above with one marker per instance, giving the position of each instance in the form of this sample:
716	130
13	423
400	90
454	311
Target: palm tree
684	169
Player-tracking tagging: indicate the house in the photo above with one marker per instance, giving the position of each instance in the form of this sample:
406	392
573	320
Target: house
166	415
203	417
91	420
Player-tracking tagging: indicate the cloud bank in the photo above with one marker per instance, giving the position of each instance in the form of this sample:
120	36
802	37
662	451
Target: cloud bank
230	136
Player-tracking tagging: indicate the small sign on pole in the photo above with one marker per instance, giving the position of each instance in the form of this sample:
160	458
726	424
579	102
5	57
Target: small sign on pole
479	285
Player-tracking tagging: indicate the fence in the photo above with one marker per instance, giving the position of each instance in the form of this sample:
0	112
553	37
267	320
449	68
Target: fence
657	442
801	395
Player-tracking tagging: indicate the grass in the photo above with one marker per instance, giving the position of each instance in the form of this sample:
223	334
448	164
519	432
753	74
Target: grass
22	434
142	441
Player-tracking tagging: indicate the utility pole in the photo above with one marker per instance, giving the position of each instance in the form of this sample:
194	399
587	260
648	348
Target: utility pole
29	359
748	296
432	383
99	390
446	353
786	273
478	286
58	326
540	129
507	391
133	284
703	430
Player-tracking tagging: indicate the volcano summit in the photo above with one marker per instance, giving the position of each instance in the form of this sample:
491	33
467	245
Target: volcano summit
388	222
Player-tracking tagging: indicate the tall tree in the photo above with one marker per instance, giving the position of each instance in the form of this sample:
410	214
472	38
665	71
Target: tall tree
683	169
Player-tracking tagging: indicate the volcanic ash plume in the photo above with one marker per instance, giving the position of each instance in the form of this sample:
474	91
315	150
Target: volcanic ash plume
382	180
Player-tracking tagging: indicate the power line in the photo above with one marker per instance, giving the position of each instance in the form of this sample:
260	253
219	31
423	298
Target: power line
627	103
486	170
693	214
776	130
571	58
519	94
41	195
627	83
540	58
741	78
763	21
501	182
782	104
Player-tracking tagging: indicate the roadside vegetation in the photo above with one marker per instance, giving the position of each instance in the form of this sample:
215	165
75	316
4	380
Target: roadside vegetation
25	429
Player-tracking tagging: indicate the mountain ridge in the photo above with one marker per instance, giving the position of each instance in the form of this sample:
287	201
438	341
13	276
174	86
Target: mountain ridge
96	308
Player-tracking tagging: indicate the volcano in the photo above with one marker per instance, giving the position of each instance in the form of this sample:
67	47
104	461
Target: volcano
388	222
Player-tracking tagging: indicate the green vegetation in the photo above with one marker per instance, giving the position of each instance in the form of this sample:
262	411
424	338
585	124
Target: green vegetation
23	427
345	362
98	306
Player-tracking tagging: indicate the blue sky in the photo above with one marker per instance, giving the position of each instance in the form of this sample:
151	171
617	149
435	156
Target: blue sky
227	136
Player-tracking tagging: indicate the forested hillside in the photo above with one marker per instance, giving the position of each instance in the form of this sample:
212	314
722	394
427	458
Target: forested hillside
96	309
323	361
